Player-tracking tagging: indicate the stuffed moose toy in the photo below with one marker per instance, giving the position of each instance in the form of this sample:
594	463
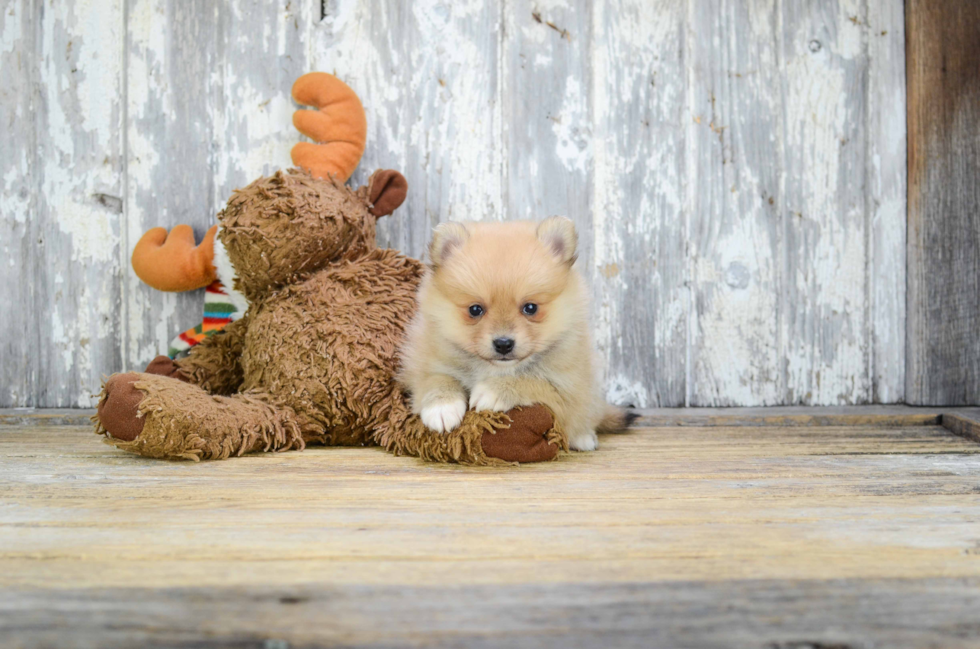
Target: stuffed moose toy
314	357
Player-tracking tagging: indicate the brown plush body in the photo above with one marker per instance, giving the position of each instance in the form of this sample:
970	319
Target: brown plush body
315	357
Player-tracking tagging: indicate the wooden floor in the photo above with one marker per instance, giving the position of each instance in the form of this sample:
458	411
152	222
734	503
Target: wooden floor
714	536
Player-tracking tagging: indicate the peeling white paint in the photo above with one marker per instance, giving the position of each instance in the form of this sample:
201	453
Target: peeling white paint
15	200
639	296
826	347
887	196
736	326
622	391
850	28
700	155
573	133
254	133
76	188
67	192
10	38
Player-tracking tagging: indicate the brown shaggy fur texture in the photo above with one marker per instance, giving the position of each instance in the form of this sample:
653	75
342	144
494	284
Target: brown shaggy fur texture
314	359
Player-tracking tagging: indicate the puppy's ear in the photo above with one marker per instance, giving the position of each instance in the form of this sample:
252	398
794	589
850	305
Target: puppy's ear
446	238
558	234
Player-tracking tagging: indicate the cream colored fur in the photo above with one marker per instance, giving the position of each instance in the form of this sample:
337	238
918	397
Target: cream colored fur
448	359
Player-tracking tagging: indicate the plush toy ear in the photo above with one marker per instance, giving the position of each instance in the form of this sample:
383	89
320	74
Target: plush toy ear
386	191
558	233
446	238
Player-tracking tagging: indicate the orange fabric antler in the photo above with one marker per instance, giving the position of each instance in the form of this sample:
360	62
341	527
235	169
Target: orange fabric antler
338	126
172	262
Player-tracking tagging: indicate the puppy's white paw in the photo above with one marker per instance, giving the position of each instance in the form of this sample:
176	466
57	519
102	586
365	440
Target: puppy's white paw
483	397
444	416
585	441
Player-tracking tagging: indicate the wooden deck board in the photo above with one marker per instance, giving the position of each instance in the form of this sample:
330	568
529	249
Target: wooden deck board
711	536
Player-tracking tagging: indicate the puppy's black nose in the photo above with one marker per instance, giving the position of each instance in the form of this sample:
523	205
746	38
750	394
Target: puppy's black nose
503	345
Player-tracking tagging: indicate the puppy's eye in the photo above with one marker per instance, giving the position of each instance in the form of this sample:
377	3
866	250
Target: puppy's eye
476	310
529	309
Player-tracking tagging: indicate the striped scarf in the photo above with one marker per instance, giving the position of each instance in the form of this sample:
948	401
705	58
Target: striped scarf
219	312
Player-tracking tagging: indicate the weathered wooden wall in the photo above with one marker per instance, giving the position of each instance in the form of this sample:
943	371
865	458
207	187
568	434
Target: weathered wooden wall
736	167
944	202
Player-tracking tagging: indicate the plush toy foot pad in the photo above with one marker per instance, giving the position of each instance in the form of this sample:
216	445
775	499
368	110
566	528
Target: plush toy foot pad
164	366
526	440
118	410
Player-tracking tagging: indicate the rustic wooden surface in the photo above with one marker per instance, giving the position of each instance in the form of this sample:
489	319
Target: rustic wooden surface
886	196
965	423
799	614
892	415
695	537
62	175
18	201
641	168
944	202
46	416
737	170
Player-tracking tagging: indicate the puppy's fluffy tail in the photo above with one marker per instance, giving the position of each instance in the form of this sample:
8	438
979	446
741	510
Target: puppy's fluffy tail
616	419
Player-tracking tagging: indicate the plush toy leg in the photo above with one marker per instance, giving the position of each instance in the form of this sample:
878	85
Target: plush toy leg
527	434
163	417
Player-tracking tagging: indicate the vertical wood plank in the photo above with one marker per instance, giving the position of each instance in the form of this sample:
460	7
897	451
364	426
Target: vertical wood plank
639	273
943	326
261	49
735	204
170	74
547	114
79	198
363	44
453	152
18	330
427	74
886	195
825	317
210	111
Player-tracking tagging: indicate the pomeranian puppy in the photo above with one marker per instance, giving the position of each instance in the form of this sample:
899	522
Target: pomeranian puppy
502	321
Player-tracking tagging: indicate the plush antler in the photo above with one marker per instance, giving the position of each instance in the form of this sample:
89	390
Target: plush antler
172	262
338	126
